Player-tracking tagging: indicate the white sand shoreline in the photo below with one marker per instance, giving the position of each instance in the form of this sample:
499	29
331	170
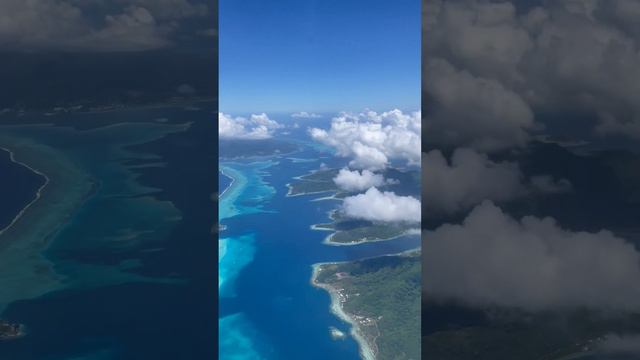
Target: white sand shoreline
289	194
365	349
327	240
38	193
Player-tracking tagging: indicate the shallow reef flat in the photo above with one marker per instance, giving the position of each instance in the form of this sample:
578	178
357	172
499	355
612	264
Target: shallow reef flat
86	171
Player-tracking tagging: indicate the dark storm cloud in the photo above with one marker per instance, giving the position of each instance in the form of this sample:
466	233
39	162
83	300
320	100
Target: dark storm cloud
570	55
95	25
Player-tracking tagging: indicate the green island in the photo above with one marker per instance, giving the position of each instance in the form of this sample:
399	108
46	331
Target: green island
319	181
316	182
507	334
347	231
380	298
10	331
236	149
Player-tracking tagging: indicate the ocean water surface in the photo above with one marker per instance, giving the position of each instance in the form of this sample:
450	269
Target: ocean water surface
273	311
118	260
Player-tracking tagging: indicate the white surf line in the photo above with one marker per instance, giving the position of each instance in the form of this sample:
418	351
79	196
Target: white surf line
230	184
38	193
365	348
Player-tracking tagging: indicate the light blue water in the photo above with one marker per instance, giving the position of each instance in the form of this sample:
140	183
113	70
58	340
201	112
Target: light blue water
268	308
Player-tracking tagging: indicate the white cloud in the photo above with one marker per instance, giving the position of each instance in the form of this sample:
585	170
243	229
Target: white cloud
374	139
305	115
533	264
256	127
467	180
382	206
357	180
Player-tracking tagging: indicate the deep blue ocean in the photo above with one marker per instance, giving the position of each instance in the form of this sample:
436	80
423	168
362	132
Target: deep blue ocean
137	259
268	309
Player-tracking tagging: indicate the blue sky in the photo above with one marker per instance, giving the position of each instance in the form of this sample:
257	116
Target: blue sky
319	55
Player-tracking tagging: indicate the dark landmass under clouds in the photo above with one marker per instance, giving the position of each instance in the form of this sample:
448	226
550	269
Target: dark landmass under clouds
456	333
604	194
45	80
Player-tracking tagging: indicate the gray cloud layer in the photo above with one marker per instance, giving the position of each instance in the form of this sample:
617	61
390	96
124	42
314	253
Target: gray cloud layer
127	25
489	66
465	181
534	264
470	177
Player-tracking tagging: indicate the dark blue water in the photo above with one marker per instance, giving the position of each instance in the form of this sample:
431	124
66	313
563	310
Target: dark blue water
276	313
139	256
18	187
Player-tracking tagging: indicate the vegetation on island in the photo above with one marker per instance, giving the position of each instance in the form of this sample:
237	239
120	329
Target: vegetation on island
237	148
346	230
315	182
382	295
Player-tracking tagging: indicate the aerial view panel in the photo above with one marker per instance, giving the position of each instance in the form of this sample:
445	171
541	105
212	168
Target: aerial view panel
319	180
531	180
108	175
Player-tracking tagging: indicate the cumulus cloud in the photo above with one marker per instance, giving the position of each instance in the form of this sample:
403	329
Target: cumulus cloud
473	111
471	177
567	56
534	264
378	206
257	126
357	180
305	115
467	180
127	25
374	139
